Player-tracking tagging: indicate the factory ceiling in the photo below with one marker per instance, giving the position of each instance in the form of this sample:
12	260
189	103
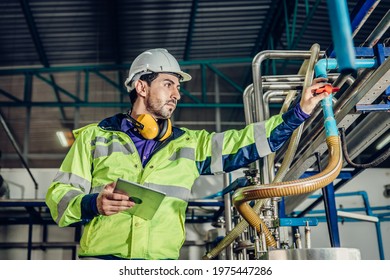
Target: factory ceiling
63	63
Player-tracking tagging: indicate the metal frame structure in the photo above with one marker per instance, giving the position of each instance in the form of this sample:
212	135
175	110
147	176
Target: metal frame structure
33	213
31	73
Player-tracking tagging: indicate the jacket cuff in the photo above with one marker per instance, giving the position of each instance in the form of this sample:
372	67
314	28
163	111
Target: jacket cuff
295	117
89	207
299	113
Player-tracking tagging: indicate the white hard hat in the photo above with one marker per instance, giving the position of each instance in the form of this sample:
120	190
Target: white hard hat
154	60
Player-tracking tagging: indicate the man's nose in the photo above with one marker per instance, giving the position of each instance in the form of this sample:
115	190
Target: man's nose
176	94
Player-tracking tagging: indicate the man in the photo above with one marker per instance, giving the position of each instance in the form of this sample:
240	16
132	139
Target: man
143	147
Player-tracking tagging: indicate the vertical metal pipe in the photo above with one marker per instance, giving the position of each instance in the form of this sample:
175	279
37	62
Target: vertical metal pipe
298	242
307	236
86	86
228	216
249	115
217	100
258	89
76	120
203	70
247	97
29	238
26	142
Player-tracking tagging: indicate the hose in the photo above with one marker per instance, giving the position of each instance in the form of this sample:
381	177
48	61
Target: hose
373	163
294	187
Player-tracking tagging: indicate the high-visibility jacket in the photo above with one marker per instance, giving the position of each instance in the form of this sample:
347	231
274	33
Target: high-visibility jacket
102	153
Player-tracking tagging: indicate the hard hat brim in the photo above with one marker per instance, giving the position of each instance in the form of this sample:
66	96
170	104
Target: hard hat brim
185	76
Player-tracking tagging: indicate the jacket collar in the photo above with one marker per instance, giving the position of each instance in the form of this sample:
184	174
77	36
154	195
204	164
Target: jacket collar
113	123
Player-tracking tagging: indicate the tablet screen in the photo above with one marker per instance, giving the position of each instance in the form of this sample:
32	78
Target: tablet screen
146	200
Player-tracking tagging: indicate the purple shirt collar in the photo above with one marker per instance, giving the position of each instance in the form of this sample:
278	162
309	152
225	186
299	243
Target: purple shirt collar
144	147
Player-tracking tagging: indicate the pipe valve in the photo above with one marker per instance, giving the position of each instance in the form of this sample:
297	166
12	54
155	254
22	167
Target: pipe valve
327	88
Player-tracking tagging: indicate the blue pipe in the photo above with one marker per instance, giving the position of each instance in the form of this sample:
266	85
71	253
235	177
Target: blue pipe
329	120
330	126
342	35
320	70
323	65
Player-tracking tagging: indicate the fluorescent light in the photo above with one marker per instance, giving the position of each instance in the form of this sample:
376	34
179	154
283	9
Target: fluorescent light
383	143
62	138
65	138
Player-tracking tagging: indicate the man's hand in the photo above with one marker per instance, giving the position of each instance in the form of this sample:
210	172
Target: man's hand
110	202
309	99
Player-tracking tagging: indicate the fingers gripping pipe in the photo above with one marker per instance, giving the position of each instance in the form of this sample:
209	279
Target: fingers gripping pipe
295	187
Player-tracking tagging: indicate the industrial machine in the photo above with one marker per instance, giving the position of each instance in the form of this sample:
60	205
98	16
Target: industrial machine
259	208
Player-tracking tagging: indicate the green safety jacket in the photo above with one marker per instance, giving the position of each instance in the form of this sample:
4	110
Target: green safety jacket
102	153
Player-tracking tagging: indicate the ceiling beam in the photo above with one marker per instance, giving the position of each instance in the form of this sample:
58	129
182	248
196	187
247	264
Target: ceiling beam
275	23
191	27
272	29
112	10
34	32
39	47
309	17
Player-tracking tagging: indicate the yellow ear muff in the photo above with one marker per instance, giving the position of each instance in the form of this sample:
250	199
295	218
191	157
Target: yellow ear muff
150	128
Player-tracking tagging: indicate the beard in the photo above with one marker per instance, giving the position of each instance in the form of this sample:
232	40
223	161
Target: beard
158	108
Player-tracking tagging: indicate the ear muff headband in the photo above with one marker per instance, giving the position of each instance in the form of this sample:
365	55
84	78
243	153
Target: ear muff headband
165	130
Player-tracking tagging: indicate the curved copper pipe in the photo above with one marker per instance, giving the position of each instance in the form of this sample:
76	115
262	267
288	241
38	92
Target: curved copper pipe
295	187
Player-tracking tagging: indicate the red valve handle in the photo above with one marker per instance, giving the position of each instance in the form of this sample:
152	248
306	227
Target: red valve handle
327	88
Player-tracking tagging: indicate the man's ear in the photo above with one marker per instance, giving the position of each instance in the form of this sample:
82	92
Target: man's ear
140	87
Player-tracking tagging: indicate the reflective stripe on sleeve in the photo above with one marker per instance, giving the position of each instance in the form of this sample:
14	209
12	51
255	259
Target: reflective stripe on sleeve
216	165
73	180
188	153
261	141
64	202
